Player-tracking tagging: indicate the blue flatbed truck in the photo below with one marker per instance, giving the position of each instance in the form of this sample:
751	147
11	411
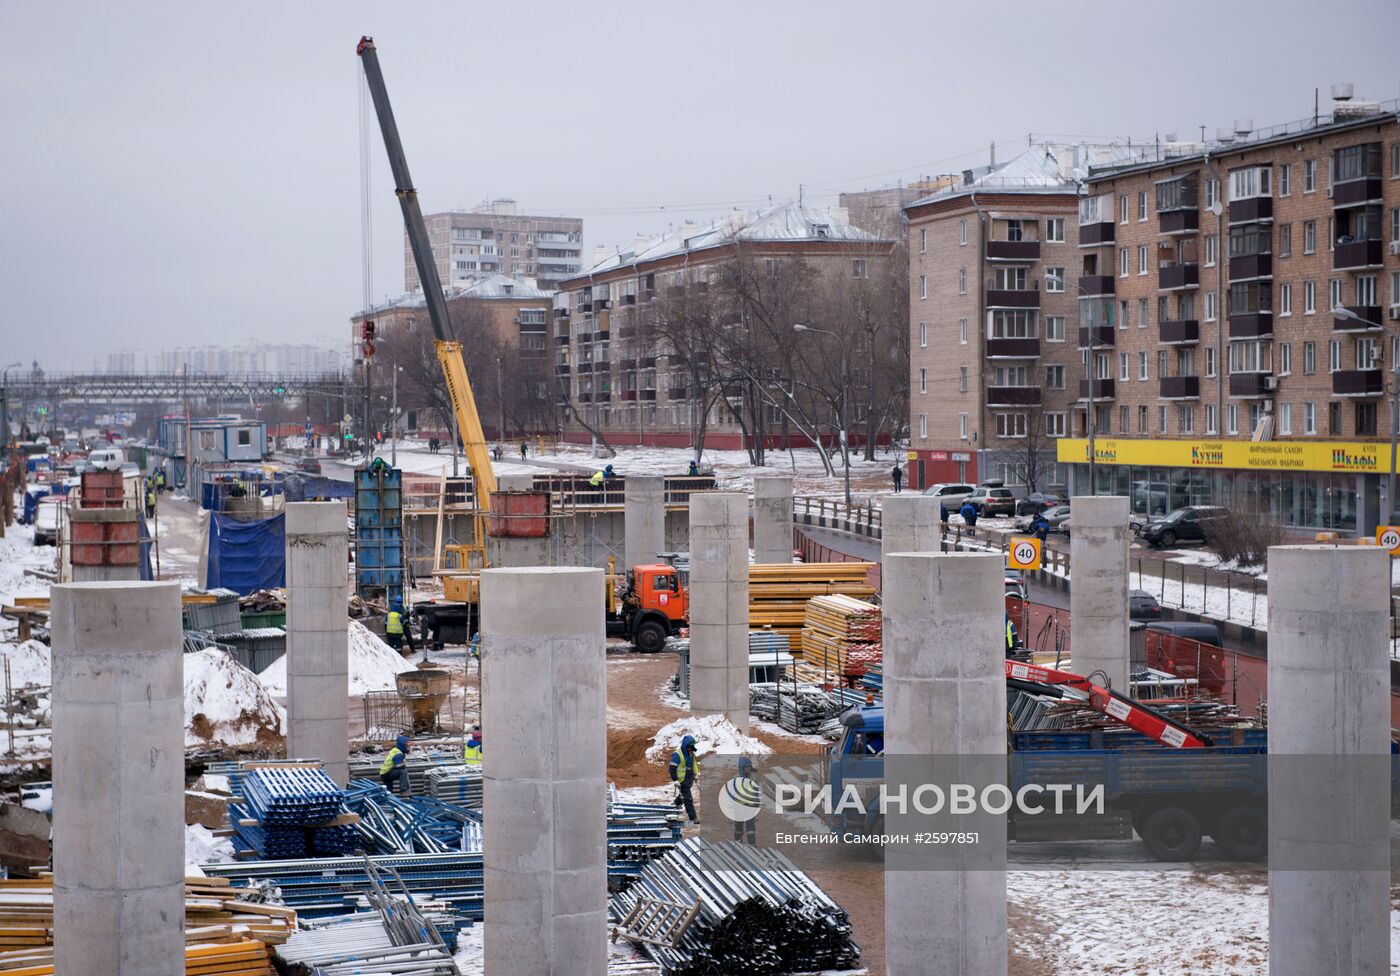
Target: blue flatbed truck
1170	797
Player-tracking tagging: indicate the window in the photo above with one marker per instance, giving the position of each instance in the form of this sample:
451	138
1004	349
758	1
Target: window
1210	250
1252	181
1185	419
1285	299
1123	371
962	233
1334	293
1309	297
1055	279
1232	419
1395	290
1210	306
1285	418
1210	360
1212	192
923	424
1123	262
1011	425
1142	259
1142	313
962	426
245	438
962	331
1012	324
962	379
1161	362
1285	240
1285	359
1101	367
1123	318
1309	358
1055	230
1395	161
1162	419
1123	419
1395	221
1142	364
1142	419
1210	418
1055	377
923	286
1054	328
1309	236
1334	355
923	240
1366	290
962	281
1123	209
1251	356
1310	418
1142	206
1055	425
858	268
1334	418
1285	180
923	380
1309	175
923	335
1331	233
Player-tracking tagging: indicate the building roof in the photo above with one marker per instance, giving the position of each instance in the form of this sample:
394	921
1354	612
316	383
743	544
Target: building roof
489	287
787	222
1042	168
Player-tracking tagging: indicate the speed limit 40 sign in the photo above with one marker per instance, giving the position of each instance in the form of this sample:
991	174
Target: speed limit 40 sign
1024	552
1388	537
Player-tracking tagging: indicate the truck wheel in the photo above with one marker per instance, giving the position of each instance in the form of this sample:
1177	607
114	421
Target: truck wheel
1172	834
650	637
1243	833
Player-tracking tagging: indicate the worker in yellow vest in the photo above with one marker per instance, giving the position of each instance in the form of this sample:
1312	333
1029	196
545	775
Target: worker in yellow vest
683	769
471	754
395	766
398	629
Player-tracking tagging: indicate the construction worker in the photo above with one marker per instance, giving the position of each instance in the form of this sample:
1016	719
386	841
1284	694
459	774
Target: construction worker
745	791
395	766
693	471
398	628
471	754
683	769
1010	637
160	480
150	498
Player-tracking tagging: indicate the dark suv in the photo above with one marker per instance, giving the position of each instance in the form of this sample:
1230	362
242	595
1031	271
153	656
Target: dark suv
1183	525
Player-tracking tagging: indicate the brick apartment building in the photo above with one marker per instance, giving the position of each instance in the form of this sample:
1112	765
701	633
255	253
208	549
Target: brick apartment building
994	269
1208	283
881	211
495	238
634	387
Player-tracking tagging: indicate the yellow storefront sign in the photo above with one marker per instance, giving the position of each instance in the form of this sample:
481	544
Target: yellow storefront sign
1354	456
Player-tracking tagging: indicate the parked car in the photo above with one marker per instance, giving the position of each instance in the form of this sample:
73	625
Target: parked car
1143	606
993	501
309	465
1183	525
1038	501
951	495
1015	584
107	459
1057	516
46	521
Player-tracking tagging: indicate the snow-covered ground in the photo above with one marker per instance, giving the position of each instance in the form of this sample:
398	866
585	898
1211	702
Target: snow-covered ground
226	705
18	553
373	665
713	734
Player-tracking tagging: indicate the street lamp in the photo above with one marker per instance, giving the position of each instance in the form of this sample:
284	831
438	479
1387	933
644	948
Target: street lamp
1346	314
845	387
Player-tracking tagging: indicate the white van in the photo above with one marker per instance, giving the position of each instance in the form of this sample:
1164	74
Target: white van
107	459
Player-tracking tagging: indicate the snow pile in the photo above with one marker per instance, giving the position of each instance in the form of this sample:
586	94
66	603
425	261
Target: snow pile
373	665
18	553
202	847
226	705
31	664
713	733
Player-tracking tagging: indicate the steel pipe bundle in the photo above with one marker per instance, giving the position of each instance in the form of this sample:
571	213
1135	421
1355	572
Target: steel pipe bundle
758	914
391	824
420	764
291	795
460	784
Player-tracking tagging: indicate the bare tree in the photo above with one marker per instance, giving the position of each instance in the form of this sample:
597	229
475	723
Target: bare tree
1027	458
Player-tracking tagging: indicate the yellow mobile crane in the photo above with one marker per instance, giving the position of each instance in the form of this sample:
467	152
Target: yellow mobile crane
449	350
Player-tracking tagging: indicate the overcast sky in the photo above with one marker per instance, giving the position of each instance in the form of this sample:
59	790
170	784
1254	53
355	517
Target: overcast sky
188	172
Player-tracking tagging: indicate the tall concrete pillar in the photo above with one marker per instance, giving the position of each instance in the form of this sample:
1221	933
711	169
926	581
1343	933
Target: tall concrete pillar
643	519
909	523
719	605
772	519
1329	751
318	636
1098	588
119	780
945	710
544	695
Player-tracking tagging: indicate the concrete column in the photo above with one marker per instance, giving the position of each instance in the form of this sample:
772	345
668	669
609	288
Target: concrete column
1329	745
1098	588
909	523
318	638
119	780
104	560
772	519
945	710
719	605
544	689
643	519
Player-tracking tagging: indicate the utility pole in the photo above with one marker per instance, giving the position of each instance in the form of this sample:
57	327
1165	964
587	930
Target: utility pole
394	419
501	402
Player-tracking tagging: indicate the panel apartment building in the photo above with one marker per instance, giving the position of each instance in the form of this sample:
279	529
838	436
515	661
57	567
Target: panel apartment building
635	389
495	238
1240	312
994	271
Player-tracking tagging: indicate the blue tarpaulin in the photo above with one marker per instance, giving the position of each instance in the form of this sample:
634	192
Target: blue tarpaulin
246	556
303	487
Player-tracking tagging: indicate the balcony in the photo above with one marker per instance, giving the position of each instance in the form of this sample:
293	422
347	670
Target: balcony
1371	313
1013	396
561	369
1179	222
628	300
601	304
1179	388
1103	389
647	362
1013	298
1251	266
628	395
1179	333
561	340
676	393
562	312
1354	193
1090	285
1251	384
585	306
1103	336
1174	277
1251	210
1013	348
626	364
584	398
1251	325
1357	383
601	365
648	394
1013	250
1358	254
1094	235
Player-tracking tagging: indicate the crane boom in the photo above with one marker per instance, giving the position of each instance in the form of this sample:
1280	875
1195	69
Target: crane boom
449	350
